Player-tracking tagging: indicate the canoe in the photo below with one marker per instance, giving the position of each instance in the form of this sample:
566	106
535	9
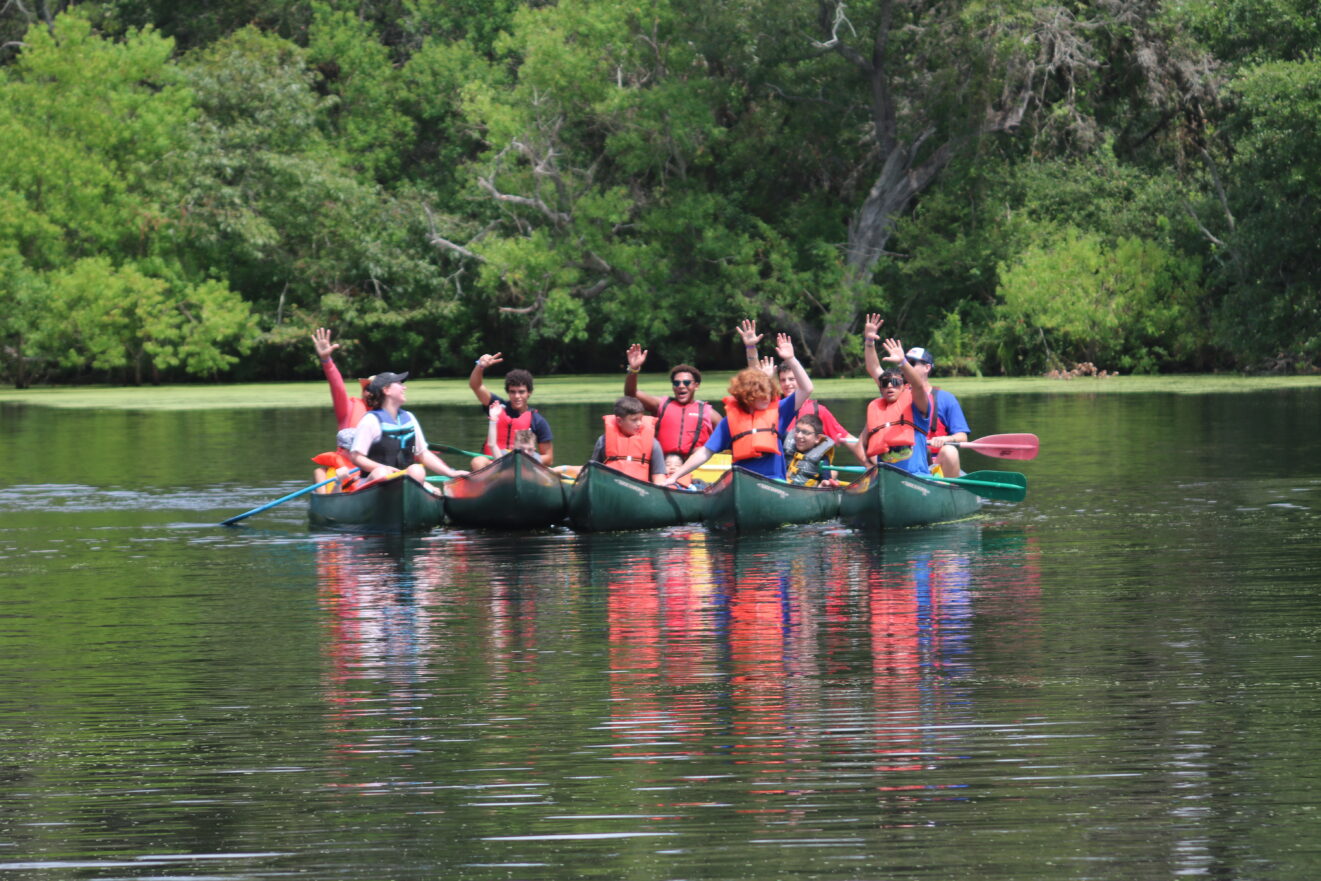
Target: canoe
513	492
744	501
399	505
604	500
890	498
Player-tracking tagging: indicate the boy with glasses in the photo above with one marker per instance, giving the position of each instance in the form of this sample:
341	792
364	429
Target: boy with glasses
948	424
683	423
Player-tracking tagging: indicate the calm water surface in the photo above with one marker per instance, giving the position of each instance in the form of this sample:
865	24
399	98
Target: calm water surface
1118	679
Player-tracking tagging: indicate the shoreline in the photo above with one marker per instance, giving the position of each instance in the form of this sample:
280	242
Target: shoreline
604	388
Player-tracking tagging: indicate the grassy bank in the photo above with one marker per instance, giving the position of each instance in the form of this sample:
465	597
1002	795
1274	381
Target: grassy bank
598	389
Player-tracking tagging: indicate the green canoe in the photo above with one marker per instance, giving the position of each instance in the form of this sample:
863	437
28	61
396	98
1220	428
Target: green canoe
744	501
399	505
513	492
604	500
890	498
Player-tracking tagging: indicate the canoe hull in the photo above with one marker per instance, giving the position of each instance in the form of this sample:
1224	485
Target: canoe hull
744	501
513	492
399	505
890	498
604	500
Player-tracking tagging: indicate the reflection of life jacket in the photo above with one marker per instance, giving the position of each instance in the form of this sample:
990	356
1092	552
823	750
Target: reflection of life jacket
890	428
753	434
672	426
804	469
333	462
506	426
395	447
630	455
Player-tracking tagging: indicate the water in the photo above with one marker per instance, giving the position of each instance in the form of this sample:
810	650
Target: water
1116	679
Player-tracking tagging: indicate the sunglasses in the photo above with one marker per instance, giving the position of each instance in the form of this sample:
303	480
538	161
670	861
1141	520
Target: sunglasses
915	361
892	381
678	382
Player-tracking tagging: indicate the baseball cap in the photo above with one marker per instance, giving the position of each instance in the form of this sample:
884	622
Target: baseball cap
919	354
381	380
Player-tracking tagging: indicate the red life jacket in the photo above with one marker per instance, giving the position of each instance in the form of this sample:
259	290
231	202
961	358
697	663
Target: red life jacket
332	462
753	434
889	426
672	428
630	455
506	426
937	427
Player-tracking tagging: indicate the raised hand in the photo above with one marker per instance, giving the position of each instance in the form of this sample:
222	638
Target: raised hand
767	366
784	346
748	330
321	339
894	352
487	360
871	327
637	356
495	410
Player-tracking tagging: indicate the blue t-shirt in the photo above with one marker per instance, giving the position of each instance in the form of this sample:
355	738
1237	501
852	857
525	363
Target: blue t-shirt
770	464
950	413
540	427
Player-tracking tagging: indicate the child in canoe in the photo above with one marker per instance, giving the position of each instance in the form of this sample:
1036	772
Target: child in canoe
755	418
629	444
337	464
809	453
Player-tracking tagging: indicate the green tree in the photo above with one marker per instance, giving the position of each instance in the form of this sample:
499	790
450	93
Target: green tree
1127	305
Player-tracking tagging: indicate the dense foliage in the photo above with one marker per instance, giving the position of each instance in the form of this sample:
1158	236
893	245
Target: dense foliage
1019	185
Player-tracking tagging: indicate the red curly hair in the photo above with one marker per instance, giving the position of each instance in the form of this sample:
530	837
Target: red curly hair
748	385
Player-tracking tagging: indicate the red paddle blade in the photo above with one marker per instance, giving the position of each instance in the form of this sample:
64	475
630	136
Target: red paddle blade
1005	446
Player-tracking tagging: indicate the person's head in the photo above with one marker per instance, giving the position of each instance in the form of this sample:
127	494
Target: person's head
518	388
891	383
788	380
385	387
685	380
752	389
673	462
629	414
921	359
526	440
344	440
808	432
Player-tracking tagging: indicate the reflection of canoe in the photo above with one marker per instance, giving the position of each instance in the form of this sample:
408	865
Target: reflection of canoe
513	492
603	500
744	501
399	505
889	498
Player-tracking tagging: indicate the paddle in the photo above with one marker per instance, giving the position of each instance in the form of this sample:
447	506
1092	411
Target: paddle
446	448
280	501
1003	446
1007	486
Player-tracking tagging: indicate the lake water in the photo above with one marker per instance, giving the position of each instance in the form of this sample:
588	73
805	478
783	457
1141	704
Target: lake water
1119	678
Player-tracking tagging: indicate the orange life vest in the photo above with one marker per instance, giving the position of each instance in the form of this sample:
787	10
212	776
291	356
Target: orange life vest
333	462
630	455
753	434
889	426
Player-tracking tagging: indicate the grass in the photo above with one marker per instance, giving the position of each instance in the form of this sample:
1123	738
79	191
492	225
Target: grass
600	389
